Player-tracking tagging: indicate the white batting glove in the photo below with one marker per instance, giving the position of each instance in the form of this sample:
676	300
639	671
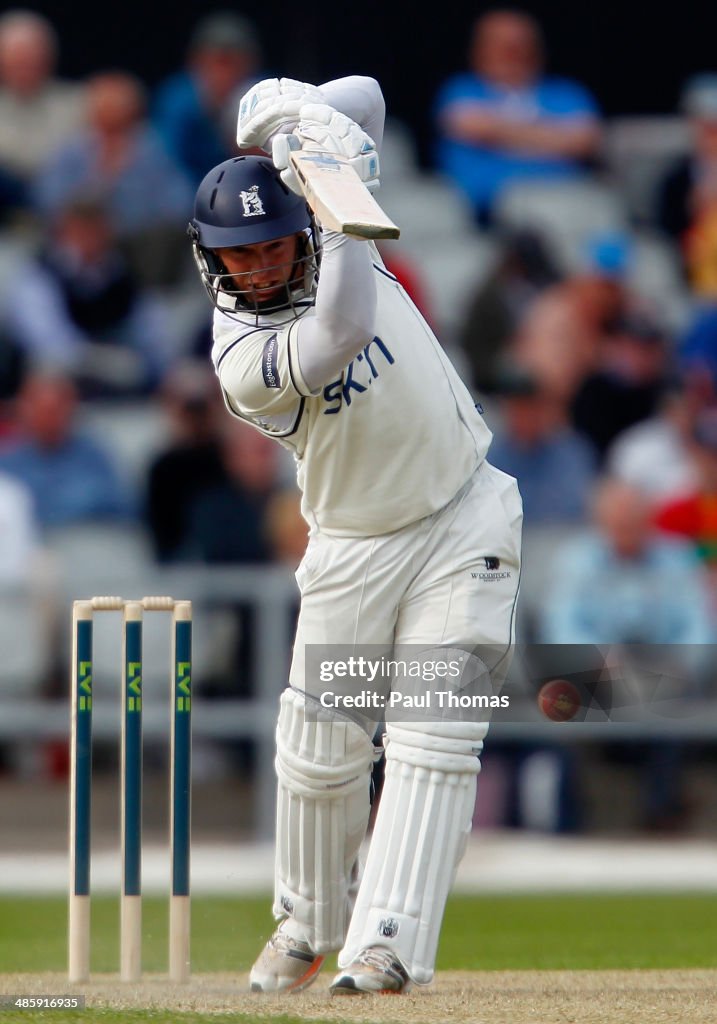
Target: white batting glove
281	146
323	128
272	106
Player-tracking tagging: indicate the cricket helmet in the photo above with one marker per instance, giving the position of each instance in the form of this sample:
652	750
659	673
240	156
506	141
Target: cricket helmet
243	201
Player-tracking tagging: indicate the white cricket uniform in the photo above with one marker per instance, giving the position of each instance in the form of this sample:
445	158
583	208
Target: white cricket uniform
414	540
403	509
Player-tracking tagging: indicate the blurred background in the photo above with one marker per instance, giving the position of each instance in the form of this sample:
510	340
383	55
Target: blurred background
554	173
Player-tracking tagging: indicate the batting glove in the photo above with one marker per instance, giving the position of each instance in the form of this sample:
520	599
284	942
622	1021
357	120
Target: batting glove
272	106
323	128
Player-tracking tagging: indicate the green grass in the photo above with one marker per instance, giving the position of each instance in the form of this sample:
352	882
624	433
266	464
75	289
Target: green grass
480	933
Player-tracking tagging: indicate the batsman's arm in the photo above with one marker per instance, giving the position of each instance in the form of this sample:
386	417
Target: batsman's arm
343	319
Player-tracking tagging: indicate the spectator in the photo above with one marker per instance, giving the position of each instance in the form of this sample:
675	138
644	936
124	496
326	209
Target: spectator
37	111
71	477
687	193
523	270
191	464
624	583
653	456
78	307
561	337
555	467
18	533
12	367
503	120
696	353
118	157
196	109
694	515
228	522
626	385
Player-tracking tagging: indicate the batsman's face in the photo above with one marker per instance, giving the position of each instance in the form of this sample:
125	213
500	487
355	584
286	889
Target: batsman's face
264	269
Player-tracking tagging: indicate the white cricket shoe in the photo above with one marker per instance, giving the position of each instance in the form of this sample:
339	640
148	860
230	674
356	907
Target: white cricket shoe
285	964
374	970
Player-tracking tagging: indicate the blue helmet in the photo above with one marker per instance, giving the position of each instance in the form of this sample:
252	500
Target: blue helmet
243	201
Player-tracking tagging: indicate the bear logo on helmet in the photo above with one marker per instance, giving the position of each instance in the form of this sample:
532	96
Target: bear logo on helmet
251	201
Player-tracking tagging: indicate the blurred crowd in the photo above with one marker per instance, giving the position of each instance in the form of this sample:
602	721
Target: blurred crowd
96	185
599	381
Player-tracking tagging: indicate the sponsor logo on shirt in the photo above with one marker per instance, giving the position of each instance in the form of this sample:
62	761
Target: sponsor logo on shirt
269	369
357	377
491	573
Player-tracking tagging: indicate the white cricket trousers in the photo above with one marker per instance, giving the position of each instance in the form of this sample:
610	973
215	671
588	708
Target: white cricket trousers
449	579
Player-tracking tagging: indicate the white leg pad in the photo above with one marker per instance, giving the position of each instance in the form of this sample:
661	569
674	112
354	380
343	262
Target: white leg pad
422	827
324	770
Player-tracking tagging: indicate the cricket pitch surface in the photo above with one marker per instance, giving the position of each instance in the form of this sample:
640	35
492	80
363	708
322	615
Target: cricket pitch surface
459	997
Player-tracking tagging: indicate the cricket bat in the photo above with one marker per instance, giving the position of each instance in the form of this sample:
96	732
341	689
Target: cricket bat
338	197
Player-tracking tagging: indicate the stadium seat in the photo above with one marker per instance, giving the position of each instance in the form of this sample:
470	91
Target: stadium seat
657	278
24	644
451	270
88	552
133	432
399	158
564	213
428	209
540	556
637	151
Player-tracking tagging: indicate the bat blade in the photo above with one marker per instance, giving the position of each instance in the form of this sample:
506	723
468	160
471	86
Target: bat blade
339	198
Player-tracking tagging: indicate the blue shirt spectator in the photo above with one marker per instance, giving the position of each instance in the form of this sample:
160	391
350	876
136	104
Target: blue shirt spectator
601	598
118	158
624	582
195	110
626	587
554	466
70	476
503	121
696	353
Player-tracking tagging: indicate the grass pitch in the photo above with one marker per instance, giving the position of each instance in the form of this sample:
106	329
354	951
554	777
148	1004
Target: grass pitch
545	932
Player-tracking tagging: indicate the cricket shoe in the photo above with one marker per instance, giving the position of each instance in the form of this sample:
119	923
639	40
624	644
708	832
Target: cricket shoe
374	970
285	964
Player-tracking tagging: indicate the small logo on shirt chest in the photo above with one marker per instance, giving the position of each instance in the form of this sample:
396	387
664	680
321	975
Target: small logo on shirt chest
269	368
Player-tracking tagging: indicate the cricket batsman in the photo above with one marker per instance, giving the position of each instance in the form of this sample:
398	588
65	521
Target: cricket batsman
414	537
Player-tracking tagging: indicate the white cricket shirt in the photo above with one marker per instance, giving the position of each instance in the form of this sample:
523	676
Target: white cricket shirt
389	441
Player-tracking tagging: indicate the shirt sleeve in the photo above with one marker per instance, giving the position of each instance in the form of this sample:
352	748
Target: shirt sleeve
343	319
258	368
361	99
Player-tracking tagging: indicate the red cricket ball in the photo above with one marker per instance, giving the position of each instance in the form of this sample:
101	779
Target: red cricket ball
559	700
